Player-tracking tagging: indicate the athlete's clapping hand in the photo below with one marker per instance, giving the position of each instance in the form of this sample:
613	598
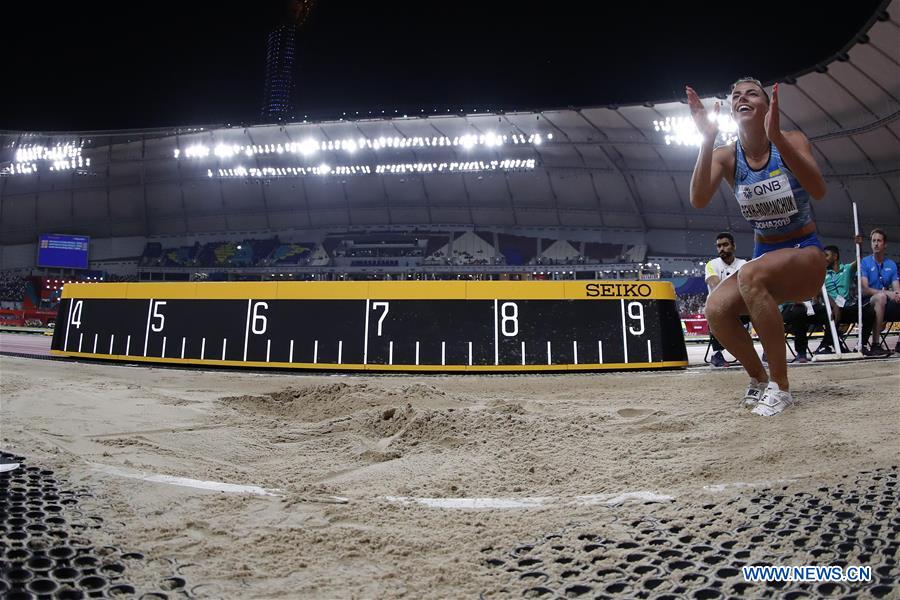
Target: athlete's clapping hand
773	119
708	127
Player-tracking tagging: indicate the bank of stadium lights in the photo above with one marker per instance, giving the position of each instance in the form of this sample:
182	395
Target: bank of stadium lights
470	166
311	146
72	163
271	172
383	169
683	132
61	157
19	169
58	152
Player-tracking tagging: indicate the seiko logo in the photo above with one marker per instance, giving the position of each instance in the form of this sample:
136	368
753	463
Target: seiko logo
616	290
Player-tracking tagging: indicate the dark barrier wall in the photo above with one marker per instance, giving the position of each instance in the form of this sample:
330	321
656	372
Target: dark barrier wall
380	326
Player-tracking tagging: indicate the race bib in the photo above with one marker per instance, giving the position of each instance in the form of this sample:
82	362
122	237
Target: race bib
770	203
840	301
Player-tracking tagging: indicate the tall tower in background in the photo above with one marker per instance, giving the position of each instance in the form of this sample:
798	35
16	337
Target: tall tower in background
281	47
278	89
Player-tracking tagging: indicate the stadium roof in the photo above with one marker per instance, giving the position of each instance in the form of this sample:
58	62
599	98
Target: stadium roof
601	167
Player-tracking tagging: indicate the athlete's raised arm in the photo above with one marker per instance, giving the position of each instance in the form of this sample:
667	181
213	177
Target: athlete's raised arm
709	169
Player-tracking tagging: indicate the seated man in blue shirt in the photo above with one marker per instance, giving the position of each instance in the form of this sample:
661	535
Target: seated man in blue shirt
881	286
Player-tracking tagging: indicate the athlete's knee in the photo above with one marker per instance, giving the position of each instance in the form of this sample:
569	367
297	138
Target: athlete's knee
750	278
815	264
714	311
718	308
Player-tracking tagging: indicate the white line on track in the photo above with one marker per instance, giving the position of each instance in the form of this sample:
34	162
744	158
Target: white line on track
721	487
532	502
475	503
557	501
216	486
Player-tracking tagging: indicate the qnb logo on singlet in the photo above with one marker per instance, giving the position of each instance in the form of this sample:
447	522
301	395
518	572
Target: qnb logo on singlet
769	202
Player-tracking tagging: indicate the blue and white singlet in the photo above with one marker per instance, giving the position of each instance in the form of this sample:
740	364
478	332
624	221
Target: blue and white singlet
773	201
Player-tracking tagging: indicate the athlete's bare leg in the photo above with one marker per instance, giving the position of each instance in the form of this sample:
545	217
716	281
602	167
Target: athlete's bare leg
724	308
785	275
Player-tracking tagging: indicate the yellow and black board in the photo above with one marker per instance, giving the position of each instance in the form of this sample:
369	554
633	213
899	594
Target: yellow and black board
472	326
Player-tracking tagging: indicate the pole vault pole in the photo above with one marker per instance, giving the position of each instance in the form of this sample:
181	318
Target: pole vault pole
859	307
834	336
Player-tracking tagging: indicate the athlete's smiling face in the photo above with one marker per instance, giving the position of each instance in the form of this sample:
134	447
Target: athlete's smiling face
748	102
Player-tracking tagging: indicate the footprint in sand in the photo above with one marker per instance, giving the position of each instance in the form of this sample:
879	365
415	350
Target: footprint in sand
631	413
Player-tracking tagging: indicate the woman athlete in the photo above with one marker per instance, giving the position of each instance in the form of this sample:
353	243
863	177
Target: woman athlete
773	175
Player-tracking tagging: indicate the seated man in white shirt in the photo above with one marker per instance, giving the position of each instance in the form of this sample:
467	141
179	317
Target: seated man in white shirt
717	270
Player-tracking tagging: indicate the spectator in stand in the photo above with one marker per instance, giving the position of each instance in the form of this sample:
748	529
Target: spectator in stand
881	286
838	284
718	270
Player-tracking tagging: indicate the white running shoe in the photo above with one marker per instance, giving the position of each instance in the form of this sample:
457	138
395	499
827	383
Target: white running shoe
774	400
753	394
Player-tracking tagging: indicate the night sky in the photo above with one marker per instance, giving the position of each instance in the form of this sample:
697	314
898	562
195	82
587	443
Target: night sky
77	66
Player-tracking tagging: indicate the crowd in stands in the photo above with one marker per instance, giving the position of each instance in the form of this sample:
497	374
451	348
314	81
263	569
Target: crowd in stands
427	249
375	262
113	278
544	261
245	253
461	259
290	254
18	286
690	304
368	252
12	285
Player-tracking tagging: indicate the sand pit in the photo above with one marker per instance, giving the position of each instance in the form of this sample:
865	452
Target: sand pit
405	486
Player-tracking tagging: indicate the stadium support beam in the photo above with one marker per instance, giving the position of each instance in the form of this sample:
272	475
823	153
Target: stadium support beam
599	201
560	132
849	133
512	202
555	198
509	192
143	184
628	179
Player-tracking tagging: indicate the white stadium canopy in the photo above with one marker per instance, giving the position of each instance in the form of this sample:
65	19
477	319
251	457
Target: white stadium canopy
598	168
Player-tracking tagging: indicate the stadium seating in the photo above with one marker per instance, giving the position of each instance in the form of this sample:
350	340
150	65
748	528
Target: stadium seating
291	254
397	248
517	249
601	252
